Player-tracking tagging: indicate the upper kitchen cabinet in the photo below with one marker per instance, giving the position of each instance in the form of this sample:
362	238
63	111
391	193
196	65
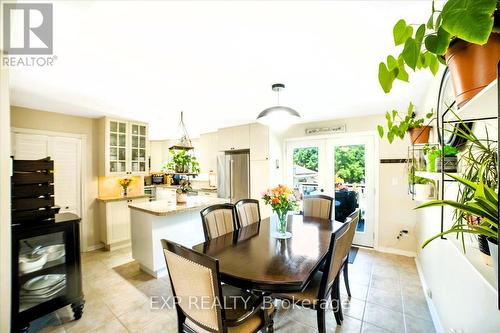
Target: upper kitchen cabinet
207	152
259	142
233	138
123	147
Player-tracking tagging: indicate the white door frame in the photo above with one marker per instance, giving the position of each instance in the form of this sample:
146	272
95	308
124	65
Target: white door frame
376	166
83	172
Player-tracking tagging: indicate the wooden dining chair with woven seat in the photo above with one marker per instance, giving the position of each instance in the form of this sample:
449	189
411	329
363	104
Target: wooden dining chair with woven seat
318	206
247	212
324	284
218	220
203	304
354	219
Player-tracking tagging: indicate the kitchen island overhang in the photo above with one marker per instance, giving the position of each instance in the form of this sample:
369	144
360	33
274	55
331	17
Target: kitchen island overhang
156	220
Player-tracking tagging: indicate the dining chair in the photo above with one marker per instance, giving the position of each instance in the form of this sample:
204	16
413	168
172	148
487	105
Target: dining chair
203	304
324	284
218	220
318	206
247	212
354	219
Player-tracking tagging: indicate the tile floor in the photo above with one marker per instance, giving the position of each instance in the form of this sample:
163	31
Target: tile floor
386	297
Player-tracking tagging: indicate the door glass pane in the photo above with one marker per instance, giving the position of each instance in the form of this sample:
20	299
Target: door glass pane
142	153
142	166
135	129
113	154
42	269
135	141
112	167
112	140
134	154
122	127
122	140
142	142
135	166
143	130
122	166
121	155
305	169
349	182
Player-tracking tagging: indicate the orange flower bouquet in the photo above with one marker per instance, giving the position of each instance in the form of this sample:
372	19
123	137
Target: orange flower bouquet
282	201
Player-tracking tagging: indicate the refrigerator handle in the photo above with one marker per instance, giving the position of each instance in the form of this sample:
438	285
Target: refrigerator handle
231	185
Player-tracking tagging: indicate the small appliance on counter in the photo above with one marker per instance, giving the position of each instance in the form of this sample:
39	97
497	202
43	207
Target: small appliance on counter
158	178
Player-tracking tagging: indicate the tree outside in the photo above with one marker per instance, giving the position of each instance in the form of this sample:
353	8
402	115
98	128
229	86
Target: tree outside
306	157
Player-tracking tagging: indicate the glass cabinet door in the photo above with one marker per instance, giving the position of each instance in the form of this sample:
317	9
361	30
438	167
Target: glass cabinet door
117	146
138	134
42	269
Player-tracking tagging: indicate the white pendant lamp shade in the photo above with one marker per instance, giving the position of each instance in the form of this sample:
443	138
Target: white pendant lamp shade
278	117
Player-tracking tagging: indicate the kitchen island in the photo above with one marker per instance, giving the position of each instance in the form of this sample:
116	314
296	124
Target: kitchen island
164	219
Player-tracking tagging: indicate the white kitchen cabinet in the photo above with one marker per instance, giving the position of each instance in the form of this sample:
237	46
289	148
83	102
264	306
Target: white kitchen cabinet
207	152
259	182
115	222
259	142
234	138
166	193
123	147
210	194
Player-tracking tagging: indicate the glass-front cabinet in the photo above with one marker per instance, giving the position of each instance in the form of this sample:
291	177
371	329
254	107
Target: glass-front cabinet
46	273
125	147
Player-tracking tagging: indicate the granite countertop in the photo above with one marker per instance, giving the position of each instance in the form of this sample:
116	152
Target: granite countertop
200	189
118	198
166	207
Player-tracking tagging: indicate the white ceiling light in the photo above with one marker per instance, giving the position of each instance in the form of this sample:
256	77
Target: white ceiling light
278	117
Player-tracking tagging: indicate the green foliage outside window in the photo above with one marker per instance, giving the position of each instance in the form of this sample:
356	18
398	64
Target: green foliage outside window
350	163
306	157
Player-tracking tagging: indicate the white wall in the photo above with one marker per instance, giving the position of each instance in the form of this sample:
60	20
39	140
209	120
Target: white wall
5	171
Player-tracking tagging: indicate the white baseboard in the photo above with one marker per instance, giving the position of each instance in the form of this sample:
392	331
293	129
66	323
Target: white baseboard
396	251
430	303
93	247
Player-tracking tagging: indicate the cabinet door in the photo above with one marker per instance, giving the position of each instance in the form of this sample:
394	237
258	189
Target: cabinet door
234	138
138	148
165	193
117	147
259	142
118	221
259	182
225	139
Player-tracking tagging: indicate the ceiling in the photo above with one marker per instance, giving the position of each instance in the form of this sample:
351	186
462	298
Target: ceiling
216	61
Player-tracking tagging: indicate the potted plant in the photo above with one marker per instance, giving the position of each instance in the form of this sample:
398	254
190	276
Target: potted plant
463	34
398	125
125	183
183	190
422	188
183	162
450	159
282	200
430	154
484	204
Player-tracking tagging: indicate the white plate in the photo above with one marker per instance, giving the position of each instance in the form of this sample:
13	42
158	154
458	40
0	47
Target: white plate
53	252
43	281
42	291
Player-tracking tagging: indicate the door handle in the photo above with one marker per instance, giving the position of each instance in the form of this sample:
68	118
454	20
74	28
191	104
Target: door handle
322	190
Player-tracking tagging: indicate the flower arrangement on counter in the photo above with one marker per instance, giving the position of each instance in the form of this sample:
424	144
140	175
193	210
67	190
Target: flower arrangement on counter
282	200
125	183
182	191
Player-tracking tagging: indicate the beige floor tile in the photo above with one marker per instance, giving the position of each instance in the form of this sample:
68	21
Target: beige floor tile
417	325
416	307
349	325
384	317
162	324
288	325
113	326
389	271
95	314
369	328
138	317
358	291
123	298
388	298
385	283
353	308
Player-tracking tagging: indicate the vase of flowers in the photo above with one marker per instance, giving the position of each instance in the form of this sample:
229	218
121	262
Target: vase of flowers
183	190
282	201
124	183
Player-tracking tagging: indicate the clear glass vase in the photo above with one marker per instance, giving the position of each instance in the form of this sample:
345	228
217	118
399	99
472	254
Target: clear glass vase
281	226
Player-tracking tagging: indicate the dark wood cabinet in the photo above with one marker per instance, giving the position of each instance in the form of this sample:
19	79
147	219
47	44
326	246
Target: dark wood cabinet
46	269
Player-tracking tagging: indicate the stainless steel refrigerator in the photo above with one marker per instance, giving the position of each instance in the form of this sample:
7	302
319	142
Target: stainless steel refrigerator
233	175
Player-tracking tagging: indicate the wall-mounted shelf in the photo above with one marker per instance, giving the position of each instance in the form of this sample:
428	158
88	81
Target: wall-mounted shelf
435	175
177	147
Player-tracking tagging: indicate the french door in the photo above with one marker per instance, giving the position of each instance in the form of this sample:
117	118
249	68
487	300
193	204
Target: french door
343	168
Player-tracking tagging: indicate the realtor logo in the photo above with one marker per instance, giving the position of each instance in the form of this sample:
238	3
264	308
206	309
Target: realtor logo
27	28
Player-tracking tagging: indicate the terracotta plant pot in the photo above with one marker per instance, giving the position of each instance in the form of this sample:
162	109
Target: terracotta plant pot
420	134
472	66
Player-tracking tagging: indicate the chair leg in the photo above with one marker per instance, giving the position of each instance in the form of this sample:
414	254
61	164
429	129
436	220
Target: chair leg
346	278
335	298
180	321
320	313
341	313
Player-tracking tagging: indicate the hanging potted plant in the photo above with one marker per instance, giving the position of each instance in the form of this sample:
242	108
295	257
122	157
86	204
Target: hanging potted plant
183	162
464	35
450	159
398	125
183	190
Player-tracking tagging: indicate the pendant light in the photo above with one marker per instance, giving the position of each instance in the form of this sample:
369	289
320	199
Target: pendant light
278	117
184	142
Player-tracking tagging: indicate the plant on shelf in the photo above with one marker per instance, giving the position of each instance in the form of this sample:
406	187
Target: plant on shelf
398	124
483	204
182	162
463	34
183	190
430	154
125	183
421	187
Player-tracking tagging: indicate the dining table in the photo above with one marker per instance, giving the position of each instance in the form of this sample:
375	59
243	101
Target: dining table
253	259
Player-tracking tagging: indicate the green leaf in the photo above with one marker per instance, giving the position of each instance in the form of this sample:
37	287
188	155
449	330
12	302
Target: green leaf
390	136
410	53
401	32
470	20
380	131
433	62
430	22
438	43
391	63
385	77
402	73
419	35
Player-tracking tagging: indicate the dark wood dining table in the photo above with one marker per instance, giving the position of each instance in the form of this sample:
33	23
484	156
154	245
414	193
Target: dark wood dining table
252	258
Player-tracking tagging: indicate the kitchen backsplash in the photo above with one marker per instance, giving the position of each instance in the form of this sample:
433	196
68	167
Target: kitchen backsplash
109	187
